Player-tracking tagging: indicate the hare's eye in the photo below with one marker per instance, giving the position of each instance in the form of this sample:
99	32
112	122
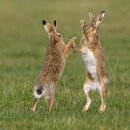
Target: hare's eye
94	27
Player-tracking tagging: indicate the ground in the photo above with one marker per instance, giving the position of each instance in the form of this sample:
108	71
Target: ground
23	42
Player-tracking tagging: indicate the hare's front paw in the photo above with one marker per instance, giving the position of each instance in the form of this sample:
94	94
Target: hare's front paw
73	45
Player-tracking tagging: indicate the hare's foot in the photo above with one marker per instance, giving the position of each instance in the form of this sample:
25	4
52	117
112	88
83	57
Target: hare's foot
34	105
86	107
102	108
33	109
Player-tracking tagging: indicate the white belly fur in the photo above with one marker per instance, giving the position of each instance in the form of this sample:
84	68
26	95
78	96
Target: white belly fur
90	62
90	66
91	86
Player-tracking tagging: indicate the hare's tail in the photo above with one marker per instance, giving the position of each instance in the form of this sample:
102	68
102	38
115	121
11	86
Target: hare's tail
38	91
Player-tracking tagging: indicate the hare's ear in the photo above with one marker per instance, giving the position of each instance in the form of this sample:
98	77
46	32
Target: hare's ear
54	25
100	18
47	26
91	17
82	23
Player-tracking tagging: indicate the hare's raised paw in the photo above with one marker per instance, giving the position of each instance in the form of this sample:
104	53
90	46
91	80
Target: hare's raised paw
76	50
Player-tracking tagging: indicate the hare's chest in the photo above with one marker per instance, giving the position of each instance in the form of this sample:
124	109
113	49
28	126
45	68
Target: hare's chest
90	62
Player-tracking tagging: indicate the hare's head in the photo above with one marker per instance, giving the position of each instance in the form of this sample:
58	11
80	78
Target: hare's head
92	27
54	36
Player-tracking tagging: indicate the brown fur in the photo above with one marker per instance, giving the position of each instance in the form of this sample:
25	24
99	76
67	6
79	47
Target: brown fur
91	41
54	63
95	46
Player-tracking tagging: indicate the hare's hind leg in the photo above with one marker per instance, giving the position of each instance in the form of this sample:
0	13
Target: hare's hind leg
49	96
38	92
102	94
50	101
86	88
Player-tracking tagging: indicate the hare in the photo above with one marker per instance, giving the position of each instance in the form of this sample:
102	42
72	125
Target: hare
53	66
92	54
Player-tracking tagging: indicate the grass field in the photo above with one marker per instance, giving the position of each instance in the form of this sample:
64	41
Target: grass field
23	41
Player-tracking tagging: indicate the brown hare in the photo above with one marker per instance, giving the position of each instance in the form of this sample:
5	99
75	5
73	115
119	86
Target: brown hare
53	66
93	58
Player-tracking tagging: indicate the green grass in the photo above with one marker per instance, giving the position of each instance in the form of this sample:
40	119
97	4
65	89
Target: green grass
23	41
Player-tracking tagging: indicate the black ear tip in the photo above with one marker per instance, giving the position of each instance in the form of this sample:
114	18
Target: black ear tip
102	12
55	22
43	22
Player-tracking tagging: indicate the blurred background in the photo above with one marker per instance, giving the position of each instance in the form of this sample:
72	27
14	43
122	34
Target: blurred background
23	42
